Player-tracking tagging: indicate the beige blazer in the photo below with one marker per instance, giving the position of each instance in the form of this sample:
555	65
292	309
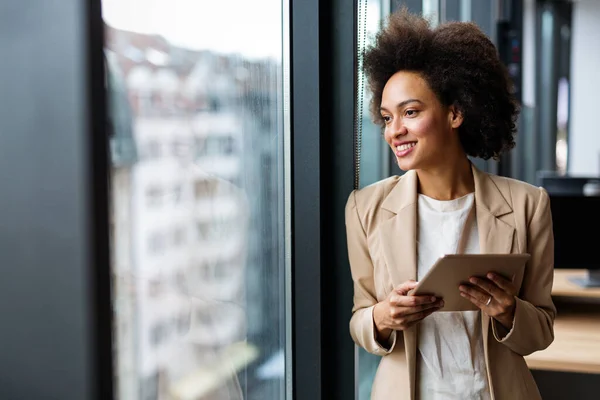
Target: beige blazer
512	217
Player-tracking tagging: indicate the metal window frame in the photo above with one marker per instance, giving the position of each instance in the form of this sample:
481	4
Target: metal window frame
57	303
323	72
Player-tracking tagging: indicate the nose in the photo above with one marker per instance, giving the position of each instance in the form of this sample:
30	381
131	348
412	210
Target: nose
396	129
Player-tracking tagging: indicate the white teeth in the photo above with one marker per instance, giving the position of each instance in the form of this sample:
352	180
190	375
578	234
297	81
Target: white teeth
406	146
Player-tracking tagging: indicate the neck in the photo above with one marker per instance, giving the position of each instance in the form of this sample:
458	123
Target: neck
449	181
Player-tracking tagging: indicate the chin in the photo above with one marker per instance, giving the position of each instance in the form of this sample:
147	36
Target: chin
405	165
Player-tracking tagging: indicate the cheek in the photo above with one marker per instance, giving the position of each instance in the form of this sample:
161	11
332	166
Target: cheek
420	129
387	136
425	129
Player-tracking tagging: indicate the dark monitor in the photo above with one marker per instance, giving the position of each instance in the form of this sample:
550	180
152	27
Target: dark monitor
575	205
564	185
576	225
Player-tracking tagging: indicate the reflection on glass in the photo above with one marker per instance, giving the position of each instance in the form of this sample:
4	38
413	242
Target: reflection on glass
374	165
431	10
562	123
195	118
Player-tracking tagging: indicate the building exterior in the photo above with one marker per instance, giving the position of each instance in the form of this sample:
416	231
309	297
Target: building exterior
195	221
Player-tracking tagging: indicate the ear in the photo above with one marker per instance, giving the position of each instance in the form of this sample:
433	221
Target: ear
455	117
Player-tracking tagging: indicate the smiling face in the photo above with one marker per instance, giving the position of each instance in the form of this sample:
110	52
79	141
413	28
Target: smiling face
420	130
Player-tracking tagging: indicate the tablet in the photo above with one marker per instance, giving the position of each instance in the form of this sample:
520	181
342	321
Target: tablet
451	270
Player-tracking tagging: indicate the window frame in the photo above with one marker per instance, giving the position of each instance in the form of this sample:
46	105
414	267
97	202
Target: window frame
323	72
60	312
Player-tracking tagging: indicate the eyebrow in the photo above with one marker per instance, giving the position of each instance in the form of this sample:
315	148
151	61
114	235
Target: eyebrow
402	104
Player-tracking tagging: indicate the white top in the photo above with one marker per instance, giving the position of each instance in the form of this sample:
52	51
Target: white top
451	361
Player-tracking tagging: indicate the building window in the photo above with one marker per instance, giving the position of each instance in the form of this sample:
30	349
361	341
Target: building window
223	270
205	188
205	271
154	196
152	150
157	334
204	318
183	324
178	237
177	193
157	242
217	229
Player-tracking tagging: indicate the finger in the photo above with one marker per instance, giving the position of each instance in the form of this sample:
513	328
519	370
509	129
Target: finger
396	299
507	285
405	323
488	287
405	311
416	317
405	287
413	301
476	293
473	299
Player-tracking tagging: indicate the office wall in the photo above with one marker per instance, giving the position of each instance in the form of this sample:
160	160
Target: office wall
584	129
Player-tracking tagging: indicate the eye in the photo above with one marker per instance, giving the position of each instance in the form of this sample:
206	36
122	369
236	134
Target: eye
386	118
411	113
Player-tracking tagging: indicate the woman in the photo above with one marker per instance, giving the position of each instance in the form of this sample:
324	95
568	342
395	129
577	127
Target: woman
441	95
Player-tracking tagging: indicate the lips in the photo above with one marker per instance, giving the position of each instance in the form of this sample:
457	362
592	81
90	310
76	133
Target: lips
405	148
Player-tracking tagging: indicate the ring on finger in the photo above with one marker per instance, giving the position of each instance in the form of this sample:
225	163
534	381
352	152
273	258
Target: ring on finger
489	301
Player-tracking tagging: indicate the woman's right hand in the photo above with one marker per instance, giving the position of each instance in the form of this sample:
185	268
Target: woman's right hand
400	310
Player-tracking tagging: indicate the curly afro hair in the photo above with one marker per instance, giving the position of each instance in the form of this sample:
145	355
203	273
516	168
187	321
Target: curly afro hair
461	66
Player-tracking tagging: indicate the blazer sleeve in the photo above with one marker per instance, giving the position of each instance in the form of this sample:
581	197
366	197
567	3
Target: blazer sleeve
533	324
362	326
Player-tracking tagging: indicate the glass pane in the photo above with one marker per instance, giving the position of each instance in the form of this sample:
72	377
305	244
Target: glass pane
373	161
197	222
374	165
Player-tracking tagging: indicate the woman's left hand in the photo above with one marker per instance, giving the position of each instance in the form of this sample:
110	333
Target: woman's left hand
495	296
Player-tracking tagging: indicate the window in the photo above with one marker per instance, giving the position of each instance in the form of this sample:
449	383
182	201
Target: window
177	193
178	237
154	196
205	188
222	270
148	387
183	324
152	149
218	229
216	145
374	165
204	204
205	271
157	334
179	148
156	243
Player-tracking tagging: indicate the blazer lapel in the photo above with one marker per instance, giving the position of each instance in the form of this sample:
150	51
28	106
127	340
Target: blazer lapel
398	238
398	235
495	235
